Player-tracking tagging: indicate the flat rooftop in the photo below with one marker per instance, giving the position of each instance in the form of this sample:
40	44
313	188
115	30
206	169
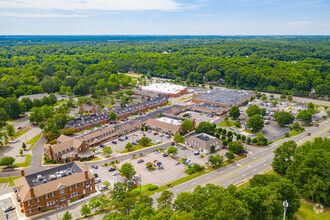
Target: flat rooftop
204	137
222	95
49	175
165	88
170	120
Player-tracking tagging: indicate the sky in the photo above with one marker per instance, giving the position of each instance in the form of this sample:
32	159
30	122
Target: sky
164	17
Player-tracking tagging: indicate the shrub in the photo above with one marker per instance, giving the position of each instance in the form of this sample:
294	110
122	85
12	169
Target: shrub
152	187
287	134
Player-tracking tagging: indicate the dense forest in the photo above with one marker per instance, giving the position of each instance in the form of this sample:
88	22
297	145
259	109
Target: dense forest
85	64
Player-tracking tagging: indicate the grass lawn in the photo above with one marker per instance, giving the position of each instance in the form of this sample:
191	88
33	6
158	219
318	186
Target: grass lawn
137	147
182	99
226	124
26	163
21	132
34	140
6	180
135	100
60	102
306	212
144	188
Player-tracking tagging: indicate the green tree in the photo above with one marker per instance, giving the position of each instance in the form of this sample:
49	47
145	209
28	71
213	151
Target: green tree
23	146
144	141
160	115
126	206
187	125
284	118
274	103
120	192
106	184
264	97
178	138
260	138
172	150
21	152
283	96
290	98
253	110
165	199
10	130
216	160
255	123
107	151
230	155
305	116
12	107
85	210
129	147
3	115
236	147
205	127
127	170
129	92
283	156
67	216
296	126
234	112
28	103
112	115
7	161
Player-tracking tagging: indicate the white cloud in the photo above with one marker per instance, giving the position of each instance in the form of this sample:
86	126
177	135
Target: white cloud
39	15
299	23
84	5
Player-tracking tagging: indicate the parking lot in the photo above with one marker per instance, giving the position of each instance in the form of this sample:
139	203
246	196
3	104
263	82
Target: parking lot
272	132
120	145
199	117
168	173
6	201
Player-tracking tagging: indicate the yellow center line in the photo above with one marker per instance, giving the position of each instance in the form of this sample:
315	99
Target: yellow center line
309	135
326	128
313	137
224	174
225	178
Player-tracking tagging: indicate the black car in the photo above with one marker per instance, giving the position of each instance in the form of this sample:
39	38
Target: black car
9	208
102	145
165	155
172	144
95	166
96	175
140	161
114	142
111	169
245	151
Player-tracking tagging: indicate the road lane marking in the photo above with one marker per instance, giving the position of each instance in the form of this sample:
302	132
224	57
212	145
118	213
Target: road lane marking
313	137
224	174
225	178
326	128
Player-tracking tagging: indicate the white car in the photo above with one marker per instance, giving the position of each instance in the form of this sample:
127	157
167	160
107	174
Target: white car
12	141
97	152
176	163
135	177
97	180
115	173
158	141
101	188
161	135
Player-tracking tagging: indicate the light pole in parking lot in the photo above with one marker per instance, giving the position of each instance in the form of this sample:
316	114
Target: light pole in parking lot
140	184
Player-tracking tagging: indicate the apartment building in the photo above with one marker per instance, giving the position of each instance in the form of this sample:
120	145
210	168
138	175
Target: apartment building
203	142
88	121
53	188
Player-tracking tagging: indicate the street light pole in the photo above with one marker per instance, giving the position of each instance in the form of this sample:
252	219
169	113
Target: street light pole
140	184
285	207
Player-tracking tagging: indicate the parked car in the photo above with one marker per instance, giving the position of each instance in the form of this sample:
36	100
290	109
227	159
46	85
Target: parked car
95	166
157	142
9	208
245	151
172	144
308	134
111	169
157	151
102	188
155	133
120	139
114	142
316	125
165	155
196	153
134	143
140	161
97	180
97	152
95	175
176	163
19	128
161	135
135	177
149	131
115	173
168	136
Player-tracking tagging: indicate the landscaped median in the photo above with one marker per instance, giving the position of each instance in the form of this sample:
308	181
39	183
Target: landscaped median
9	180
26	163
136	147
34	140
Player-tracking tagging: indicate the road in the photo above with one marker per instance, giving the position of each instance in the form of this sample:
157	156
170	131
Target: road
301	99
255	163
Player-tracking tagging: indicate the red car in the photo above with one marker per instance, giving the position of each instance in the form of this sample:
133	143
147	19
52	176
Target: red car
155	133
316	125
19	128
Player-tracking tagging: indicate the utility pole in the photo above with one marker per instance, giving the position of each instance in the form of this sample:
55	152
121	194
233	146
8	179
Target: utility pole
285	207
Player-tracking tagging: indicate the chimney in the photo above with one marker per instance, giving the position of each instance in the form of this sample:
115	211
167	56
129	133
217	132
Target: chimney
32	192
86	174
22	172
71	159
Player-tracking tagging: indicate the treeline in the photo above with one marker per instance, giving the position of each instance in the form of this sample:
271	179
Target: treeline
90	65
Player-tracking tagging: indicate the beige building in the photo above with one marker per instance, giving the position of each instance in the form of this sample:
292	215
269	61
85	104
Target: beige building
203	142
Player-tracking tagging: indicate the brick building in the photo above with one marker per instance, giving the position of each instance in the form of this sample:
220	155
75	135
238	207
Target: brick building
53	188
67	147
